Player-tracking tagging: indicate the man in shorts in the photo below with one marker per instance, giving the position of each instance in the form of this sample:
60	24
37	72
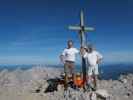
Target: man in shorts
93	58
68	58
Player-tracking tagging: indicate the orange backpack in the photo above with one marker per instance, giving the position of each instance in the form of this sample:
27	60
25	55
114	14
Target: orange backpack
78	81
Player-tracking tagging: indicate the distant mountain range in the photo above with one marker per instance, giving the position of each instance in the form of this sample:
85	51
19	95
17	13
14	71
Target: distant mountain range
107	71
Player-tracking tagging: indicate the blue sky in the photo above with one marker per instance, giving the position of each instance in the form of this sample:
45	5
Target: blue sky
36	31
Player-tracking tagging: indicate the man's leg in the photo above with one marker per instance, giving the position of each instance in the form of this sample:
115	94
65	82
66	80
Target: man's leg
95	82
96	73
72	70
89	78
66	76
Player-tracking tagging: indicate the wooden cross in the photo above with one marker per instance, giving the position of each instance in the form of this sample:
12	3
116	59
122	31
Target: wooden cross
82	29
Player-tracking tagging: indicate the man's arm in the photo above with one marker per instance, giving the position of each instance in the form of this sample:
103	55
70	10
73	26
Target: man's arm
83	52
99	58
62	57
76	51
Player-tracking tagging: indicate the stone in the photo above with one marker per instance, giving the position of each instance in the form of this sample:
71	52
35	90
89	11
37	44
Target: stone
103	93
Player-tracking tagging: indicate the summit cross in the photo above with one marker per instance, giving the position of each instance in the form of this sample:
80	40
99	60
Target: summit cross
82	29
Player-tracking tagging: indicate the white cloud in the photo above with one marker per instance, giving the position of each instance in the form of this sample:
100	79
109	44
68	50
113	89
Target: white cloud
110	57
117	57
22	60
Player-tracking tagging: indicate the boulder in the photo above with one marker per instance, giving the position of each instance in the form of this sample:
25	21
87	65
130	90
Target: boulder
102	93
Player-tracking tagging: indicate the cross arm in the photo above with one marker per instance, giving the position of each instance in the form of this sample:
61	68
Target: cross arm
89	29
76	28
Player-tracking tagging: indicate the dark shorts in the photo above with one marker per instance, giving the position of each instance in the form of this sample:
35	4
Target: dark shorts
69	67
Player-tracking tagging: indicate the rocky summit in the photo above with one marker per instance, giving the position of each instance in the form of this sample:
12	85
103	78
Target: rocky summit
32	84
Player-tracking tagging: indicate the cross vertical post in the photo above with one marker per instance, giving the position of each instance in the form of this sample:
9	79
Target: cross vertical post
82	29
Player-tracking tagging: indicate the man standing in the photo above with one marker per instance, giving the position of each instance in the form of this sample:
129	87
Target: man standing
68	58
93	58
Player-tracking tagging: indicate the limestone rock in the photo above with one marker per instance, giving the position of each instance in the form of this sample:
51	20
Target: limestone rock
103	93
